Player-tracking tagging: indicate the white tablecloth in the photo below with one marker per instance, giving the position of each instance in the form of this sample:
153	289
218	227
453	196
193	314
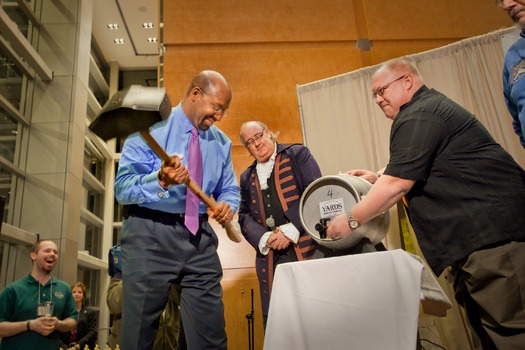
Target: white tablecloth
365	301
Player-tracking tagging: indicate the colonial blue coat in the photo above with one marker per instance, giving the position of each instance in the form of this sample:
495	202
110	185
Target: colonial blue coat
295	168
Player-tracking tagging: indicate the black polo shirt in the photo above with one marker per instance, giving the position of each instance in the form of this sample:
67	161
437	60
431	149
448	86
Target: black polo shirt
469	192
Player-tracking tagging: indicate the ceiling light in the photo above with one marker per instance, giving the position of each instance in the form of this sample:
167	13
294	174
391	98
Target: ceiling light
119	41
113	26
152	40
147	25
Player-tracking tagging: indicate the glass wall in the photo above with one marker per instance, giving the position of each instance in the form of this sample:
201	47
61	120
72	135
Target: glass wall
14	75
19	84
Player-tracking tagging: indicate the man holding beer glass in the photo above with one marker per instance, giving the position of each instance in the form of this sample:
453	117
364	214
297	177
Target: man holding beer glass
35	308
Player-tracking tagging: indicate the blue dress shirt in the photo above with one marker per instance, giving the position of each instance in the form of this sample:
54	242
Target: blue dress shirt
514	85
137	183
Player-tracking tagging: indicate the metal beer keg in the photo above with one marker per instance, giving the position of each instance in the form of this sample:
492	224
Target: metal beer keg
333	195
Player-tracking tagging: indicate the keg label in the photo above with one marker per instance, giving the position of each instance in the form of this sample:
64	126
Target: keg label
331	208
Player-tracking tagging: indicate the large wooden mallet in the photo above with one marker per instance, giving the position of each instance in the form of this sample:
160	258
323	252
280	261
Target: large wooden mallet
137	108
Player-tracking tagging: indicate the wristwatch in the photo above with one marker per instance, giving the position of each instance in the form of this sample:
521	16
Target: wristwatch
352	222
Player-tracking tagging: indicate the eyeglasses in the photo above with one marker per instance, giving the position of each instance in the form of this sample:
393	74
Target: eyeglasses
256	138
217	110
381	90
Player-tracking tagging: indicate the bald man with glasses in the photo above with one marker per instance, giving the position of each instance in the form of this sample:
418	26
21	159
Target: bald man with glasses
166	237
465	196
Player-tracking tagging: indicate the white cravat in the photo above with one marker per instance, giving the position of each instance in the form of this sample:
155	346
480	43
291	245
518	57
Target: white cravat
264	170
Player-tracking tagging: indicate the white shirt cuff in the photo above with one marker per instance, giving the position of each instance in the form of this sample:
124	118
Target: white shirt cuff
262	243
291	232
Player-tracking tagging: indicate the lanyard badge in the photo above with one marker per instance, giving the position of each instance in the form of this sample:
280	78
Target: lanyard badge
46	308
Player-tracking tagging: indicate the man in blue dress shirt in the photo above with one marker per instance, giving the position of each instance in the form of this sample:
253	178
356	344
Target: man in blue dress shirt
158	250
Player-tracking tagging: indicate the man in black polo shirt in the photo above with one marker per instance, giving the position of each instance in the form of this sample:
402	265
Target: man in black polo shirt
465	197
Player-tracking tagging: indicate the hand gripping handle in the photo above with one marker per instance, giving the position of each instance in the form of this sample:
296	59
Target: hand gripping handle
230	229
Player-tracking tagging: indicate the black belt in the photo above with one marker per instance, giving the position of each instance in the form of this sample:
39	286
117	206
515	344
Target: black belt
157	215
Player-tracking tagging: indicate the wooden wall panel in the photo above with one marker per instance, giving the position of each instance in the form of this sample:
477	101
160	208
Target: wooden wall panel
237	286
263	79
430	19
384	50
237	21
233	255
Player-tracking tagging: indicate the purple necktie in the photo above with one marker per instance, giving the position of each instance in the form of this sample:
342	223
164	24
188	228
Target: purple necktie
191	219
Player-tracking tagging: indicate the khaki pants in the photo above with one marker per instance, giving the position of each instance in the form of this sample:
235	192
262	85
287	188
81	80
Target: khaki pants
490	285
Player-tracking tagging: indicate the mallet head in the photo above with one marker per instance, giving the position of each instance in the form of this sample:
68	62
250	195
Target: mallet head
133	109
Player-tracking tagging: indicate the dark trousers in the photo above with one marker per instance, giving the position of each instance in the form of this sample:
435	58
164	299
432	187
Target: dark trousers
490	285
156	255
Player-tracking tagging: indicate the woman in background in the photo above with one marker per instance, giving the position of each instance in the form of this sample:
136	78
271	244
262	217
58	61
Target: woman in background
86	331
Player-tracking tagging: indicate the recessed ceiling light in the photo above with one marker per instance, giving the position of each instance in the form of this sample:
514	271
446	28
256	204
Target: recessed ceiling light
119	41
152	40
112	25
147	25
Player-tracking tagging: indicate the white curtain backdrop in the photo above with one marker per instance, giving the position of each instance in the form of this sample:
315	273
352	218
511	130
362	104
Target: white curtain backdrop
345	129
